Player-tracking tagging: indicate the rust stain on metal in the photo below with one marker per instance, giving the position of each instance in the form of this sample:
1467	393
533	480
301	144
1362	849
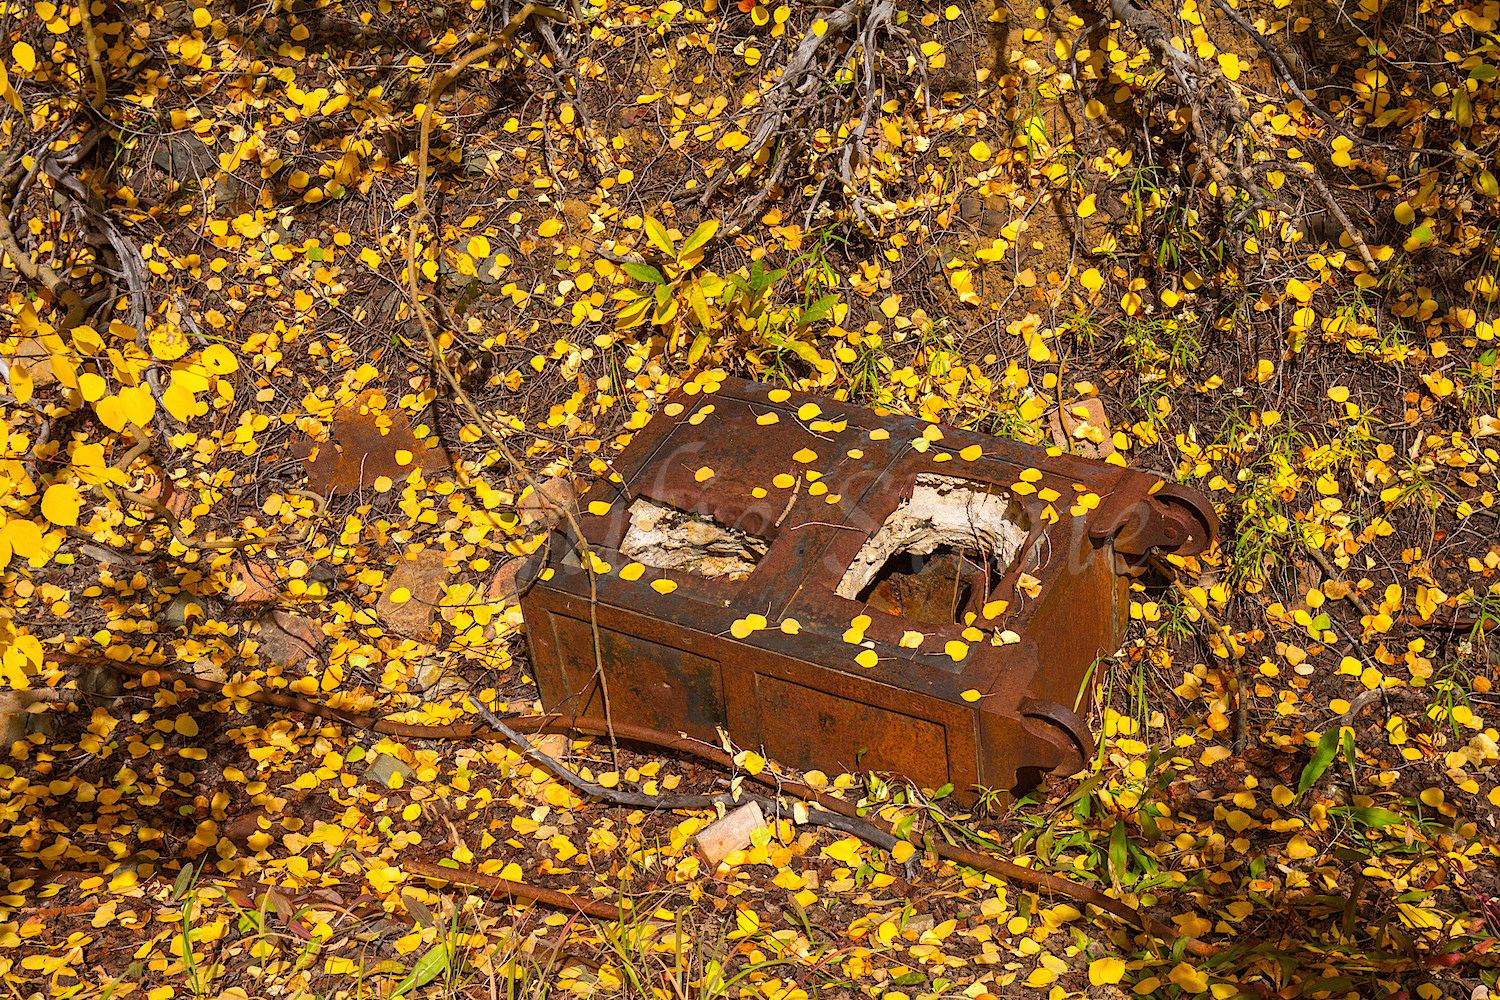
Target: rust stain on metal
852	590
367	440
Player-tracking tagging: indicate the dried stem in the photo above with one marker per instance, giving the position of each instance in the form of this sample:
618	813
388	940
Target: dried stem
441	83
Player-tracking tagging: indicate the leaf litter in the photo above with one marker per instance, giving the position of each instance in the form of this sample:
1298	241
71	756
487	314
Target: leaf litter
991	263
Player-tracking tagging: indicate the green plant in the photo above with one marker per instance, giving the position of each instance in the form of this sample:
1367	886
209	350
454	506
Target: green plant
719	317
675	292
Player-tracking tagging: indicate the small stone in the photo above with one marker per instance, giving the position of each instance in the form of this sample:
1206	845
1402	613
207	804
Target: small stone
421	578
290	644
253	583
209	670
429	673
183	607
549	502
1066	433
108	557
554	745
384	767
38	362
503	588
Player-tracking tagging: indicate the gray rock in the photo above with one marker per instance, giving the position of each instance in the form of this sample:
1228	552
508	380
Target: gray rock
384	766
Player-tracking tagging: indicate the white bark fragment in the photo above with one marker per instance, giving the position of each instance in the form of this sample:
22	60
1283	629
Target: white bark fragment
942	511
722	838
670	539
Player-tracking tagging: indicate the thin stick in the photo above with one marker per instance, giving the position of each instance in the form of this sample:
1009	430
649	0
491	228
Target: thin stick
837	813
1354	234
1241	707
441	83
503	886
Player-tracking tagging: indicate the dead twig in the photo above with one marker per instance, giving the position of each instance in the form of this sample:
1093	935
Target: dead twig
833	809
440	83
505	887
1236	654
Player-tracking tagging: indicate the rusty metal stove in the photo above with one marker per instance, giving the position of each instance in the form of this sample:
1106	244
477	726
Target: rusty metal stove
748	547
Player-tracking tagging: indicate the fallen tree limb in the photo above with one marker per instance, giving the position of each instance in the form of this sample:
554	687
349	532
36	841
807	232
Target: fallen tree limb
869	828
505	887
435	90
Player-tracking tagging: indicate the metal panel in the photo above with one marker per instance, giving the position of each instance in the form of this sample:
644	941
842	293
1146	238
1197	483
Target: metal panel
962	705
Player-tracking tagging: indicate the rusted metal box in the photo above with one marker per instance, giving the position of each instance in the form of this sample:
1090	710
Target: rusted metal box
849	590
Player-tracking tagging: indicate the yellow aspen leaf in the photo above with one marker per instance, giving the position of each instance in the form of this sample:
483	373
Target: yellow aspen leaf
137	404
21	385
980	151
846	850
180	402
791	626
61	504
1214	754
1039	351
890	306
599	507
807	411
867	658
24	537
1189	979
1230	64
970	453
911	639
1087	206
632	572
902	851
971	695
92	386
219	359
111	413
703	473
1106	971
751	761
8	92
186	725
1297	848
956	649
1040	976
24	55
549	228
168	343
663	586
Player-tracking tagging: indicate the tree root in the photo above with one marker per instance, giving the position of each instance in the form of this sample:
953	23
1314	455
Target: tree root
806	71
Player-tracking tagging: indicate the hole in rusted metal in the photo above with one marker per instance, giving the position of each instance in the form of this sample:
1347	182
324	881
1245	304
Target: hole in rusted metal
667	538
930	588
939	552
